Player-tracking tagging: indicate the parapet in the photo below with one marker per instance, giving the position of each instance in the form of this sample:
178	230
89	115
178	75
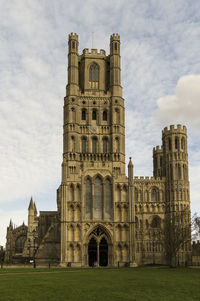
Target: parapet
115	37
94	51
147	178
157	150
172	129
73	36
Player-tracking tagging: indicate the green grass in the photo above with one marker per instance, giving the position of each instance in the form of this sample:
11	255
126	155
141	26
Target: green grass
140	284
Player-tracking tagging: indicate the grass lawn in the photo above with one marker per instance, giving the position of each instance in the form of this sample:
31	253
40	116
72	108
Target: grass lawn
140	284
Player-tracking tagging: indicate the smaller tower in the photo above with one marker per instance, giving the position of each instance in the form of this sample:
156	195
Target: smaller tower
32	213
115	68
130	170
72	87
157	162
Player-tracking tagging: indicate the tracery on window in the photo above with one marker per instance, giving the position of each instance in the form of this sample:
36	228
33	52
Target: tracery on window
154	195
94	76
19	244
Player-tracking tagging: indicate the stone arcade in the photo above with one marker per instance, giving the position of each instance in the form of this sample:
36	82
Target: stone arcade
104	217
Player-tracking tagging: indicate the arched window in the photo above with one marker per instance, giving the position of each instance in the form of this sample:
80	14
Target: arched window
118	194
176	142
124	194
94	115
154	195
108	198
19	244
83	115
117	116
136	194
94	76
84	145
94	145
116	145
98	198
73	115
169	144
72	147
156	222
88	201
71	193
78	193
105	144
183	143
105	115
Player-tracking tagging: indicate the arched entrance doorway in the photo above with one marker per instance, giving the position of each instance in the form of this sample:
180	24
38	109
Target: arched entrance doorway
92	252
98	248
103	253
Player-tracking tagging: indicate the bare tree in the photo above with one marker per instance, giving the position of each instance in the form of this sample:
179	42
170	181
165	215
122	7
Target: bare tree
2	255
176	233
195	226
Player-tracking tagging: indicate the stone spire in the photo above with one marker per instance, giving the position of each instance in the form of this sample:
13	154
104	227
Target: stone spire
130	169
31	205
35	209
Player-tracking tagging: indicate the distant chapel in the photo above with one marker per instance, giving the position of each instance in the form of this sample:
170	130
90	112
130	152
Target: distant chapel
104	217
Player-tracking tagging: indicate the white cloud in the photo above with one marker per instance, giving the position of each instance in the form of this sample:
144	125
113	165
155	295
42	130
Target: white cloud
184	106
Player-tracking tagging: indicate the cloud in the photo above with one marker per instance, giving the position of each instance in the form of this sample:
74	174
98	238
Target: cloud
182	107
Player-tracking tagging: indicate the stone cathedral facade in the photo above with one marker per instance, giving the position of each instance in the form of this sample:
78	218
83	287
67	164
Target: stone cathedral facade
104	217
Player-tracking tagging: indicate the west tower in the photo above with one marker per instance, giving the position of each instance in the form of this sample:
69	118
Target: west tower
93	196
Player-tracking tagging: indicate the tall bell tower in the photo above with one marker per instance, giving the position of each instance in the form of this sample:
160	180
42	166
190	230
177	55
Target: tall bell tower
93	168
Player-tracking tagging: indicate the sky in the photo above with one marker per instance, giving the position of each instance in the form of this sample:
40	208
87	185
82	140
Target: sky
160	43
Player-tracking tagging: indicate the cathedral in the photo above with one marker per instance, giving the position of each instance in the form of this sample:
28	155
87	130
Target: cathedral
104	217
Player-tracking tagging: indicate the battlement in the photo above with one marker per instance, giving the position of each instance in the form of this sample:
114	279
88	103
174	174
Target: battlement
147	178
94	51
73	36
172	129
157	149
115	37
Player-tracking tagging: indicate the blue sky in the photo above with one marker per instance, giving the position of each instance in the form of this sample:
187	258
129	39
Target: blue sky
160	42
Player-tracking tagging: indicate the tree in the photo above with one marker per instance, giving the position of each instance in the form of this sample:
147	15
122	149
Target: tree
176	234
2	255
195	226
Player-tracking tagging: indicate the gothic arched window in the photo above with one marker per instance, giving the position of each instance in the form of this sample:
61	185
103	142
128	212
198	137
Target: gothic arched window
94	145
73	142
154	195
83	115
84	144
88	201
19	244
156	222
176	142
169	144
71	193
116	145
94	76
105	144
183	143
105	115
98	198
108	198
94	115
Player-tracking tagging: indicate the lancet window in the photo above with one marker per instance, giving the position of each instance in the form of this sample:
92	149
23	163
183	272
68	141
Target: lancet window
94	76
99	200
